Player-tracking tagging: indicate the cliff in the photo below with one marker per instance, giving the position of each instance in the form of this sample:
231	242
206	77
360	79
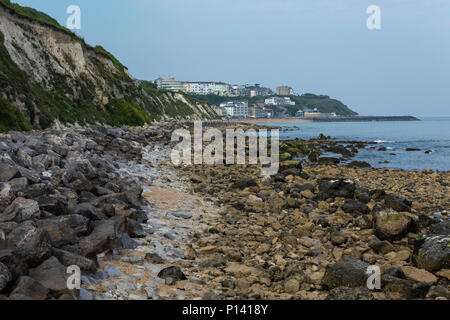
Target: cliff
47	73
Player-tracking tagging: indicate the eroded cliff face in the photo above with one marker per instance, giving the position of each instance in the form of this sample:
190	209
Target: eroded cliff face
50	74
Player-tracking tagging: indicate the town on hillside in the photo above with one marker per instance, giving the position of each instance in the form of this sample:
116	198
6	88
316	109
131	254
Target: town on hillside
247	101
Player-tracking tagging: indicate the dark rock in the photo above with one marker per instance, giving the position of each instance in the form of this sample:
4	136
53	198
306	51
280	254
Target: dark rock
245	183
397	203
8	172
21	210
6	195
382	247
377	194
128	243
18	184
362	194
328	161
154	258
52	275
5	276
348	272
433	253
65	230
111	271
28	244
135	229
337	238
412	149
337	188
344	293
396	272
363	222
172	273
30	174
29	288
406	288
359	164
355	208
70	259
392	226
441	228
89	211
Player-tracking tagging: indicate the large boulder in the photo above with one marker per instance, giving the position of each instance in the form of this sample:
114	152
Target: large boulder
433	253
52	275
70	259
398	288
348	272
7	172
21	210
390	225
89	211
397	203
28	243
5	276
28	289
332	188
65	230
355	208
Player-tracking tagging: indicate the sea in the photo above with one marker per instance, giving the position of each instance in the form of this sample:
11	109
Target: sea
428	134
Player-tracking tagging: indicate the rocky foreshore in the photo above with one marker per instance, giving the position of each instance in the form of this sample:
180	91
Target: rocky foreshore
109	201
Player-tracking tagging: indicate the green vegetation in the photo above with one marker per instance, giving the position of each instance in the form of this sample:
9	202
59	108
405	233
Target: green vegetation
392	217
11	118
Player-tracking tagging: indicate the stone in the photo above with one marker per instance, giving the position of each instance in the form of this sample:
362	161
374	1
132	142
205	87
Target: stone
348	272
405	289
344	293
173	273
154	258
433	253
240	270
52	275
70	259
337	238
363	222
382	247
397	203
332	188
355	208
21	210
292	286
419	275
392	225
244	183
7	172
65	230
5	276
6	195
30	288
133	259
85	295
89	211
307	194
111	271
18	184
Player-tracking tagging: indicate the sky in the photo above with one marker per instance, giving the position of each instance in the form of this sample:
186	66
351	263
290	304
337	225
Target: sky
314	46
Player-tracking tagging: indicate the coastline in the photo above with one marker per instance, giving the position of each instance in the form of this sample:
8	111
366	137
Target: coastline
214	232
337	119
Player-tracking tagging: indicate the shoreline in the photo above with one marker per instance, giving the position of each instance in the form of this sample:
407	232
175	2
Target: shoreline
337	119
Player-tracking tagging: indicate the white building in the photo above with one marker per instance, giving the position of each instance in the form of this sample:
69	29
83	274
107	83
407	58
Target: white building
236	109
279	101
169	84
204	88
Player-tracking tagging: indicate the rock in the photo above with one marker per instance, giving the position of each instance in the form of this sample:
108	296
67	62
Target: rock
441	228
6	195
133	259
127	243
240	270
344	293
105	236
29	288
18	184
403	289
5	276
359	164
433	253
65	230
412	149
52	275
382	247
154	258
337	238
419	275
70	259
307	194
348	272
291	286
85	295
337	188
328	161
244	183
363	222
89	211
111	271
135	229
21	210
392	226
7	172
290	164
355	208
172	274
397	203
28	244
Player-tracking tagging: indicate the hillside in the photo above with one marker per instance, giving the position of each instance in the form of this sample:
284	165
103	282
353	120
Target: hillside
308	100
47	73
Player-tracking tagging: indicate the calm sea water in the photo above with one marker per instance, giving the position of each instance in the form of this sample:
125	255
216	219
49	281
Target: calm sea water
428	134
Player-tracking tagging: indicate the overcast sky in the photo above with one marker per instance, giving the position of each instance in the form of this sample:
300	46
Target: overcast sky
317	46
